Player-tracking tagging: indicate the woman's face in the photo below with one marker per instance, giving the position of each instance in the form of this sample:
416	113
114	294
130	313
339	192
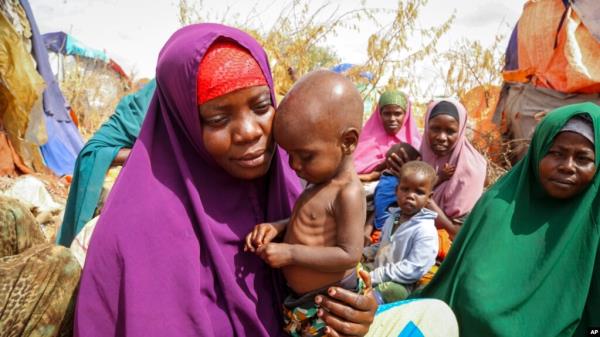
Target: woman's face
392	116
236	131
442	134
569	166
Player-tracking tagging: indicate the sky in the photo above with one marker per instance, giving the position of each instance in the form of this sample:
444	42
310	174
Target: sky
133	31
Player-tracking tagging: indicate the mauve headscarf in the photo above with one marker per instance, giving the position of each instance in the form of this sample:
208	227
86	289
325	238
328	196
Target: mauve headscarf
166	256
374	141
457	195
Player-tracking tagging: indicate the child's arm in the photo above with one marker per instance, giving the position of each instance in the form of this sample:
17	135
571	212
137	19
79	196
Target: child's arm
264	233
350	213
418	262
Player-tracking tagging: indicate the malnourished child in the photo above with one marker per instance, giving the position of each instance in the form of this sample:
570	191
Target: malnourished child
318	123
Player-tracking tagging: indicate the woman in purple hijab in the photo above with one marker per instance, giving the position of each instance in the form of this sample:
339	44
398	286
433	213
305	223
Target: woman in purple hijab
166	257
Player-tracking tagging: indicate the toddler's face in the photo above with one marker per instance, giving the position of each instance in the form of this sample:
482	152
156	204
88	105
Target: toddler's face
314	157
413	192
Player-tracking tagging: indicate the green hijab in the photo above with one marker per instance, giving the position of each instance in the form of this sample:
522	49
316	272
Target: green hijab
393	97
525	264
119	131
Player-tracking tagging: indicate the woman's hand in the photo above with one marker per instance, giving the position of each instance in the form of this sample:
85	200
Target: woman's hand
395	161
347	313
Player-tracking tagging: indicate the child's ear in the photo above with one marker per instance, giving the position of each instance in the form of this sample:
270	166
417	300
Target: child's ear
349	140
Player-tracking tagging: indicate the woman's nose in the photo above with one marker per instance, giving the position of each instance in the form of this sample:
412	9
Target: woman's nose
247	130
567	165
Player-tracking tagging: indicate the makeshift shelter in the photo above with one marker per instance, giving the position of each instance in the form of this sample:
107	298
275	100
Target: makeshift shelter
33	115
551	61
91	80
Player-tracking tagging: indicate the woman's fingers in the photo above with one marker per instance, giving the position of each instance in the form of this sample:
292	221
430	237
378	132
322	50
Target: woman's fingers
393	163
332	333
349	305
403	156
341	327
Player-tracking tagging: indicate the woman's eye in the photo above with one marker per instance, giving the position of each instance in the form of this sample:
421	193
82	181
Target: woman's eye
554	153
216	121
584	159
262	109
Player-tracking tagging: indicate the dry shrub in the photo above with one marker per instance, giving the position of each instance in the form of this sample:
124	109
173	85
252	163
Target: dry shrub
93	90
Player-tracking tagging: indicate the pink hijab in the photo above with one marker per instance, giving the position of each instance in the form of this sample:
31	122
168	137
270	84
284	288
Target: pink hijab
456	196
374	142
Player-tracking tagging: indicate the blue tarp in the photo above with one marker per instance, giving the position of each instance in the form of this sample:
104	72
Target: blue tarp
64	140
63	43
343	67
511	57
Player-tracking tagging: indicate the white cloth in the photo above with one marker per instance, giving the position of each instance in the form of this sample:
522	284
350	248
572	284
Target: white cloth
31	191
407	254
80	244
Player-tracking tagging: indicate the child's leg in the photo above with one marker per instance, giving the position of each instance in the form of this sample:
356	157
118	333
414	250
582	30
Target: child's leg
392	292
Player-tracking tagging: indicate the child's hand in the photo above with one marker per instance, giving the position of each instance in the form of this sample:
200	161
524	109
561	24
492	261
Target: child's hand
447	172
261	235
276	255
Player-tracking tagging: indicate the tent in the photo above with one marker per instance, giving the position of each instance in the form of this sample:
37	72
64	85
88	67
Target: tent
33	112
65	44
551	61
92	80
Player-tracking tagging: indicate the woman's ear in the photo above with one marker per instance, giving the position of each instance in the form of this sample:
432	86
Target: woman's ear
349	140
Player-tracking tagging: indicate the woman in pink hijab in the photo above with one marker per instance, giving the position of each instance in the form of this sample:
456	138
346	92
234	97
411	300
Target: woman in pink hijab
461	169
391	122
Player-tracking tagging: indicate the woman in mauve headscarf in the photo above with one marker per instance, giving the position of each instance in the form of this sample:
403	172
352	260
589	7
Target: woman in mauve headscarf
392	122
461	169
166	256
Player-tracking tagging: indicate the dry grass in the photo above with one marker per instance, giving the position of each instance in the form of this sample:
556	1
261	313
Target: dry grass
93	91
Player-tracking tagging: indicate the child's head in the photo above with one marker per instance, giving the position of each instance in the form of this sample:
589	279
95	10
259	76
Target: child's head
318	124
409	150
415	186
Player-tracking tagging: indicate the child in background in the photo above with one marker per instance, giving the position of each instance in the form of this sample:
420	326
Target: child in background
385	192
409	240
318	123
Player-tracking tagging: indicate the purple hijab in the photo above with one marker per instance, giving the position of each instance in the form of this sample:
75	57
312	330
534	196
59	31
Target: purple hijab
166	257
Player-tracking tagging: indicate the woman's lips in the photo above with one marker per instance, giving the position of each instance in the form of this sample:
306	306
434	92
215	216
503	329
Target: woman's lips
253	159
439	147
563	182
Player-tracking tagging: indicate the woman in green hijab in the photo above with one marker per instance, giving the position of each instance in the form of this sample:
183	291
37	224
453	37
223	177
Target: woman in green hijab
527	260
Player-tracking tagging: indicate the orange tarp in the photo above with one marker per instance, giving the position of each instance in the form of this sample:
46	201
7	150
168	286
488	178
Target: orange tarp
563	57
